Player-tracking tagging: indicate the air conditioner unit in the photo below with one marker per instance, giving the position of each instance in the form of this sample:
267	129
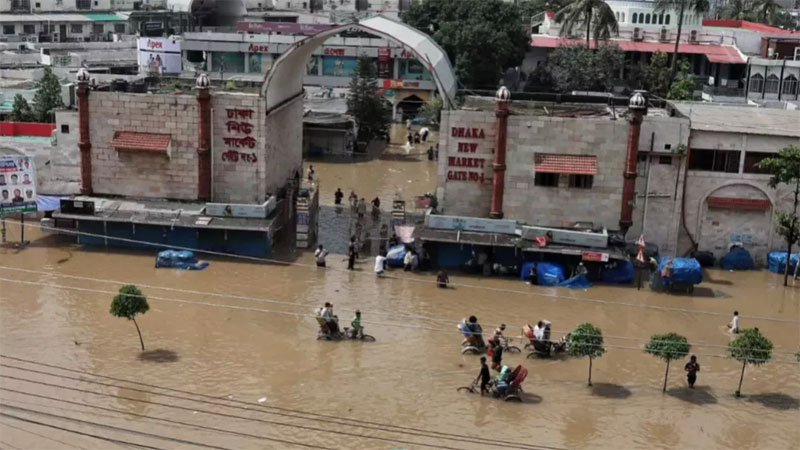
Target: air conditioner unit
693	36
33	38
664	36
637	34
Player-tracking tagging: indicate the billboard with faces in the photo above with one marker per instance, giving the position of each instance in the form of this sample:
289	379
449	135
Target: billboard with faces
17	184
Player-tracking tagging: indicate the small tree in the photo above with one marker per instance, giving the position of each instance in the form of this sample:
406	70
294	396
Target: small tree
750	347
667	347
21	111
48	96
586	340
785	168
364	103
128	303
682	87
683	8
578	68
432	111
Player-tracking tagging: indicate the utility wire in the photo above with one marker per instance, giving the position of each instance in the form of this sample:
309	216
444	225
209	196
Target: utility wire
291	304
56	427
159	419
393	277
33	433
234	416
245	308
261	408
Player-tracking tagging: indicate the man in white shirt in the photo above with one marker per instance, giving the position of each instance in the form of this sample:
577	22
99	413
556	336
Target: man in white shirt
380	265
538	331
320	255
734	325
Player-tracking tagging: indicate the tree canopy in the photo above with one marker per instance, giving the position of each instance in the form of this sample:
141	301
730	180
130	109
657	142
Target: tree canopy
128	303
595	16
577	67
750	347
364	103
682	7
667	347
48	96
482	38
586	340
21	111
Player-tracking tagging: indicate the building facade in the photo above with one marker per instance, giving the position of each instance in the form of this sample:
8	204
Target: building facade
562	171
54	27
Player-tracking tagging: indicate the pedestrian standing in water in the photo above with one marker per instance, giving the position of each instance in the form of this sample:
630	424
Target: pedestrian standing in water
380	264
311	173
353	199
320	255
362	208
424	133
691	369
351	254
442	280
337	196
734	324
408	259
484	376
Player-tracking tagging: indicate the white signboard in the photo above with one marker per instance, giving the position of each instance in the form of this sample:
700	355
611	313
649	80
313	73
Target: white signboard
568	237
159	55
17	184
241	210
471	224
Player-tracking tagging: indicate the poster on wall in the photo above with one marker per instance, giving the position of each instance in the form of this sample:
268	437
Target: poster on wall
17	185
159	56
259	62
338	66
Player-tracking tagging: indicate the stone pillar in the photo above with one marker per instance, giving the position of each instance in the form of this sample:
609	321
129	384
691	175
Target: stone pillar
503	98
637	107
203	138
84	140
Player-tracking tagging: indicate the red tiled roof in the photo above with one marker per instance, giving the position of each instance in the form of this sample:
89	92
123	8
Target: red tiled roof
738	203
571	164
727	54
752	26
132	140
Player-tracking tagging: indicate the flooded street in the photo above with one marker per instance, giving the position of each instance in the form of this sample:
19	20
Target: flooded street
233	362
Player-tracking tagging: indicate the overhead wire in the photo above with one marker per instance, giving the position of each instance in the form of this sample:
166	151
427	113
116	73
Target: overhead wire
81	433
239	417
403	278
258	407
245	308
33	433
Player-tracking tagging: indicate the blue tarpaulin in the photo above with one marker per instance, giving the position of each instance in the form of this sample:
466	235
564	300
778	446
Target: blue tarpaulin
680	270
622	273
49	202
549	274
776	261
737	259
179	259
577	282
395	255
526	270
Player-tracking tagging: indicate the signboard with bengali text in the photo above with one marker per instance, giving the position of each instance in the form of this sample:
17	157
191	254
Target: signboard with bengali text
17	185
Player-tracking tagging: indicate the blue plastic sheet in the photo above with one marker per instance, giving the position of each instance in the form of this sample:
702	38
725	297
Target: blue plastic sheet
526	270
622	273
549	274
395	255
776	261
179	259
737	259
577	282
682	271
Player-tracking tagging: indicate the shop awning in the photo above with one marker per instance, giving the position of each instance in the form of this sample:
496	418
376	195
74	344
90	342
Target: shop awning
133	140
725	54
749	204
569	164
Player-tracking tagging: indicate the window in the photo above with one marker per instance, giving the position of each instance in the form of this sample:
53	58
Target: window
29	29
634	17
790	85
647	19
667	146
9	29
756	83
20	5
751	159
97	28
666	20
715	160
76	28
771	86
64	129
661	19
119	28
546	179
83	4
666	160
38	5
95	3
581	181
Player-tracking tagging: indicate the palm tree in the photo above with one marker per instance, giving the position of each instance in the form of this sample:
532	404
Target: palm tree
681	6
584	12
737	9
766	9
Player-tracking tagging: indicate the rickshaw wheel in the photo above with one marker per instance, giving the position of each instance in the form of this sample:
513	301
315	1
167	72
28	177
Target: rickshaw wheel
368	338
470	351
513	398
466	389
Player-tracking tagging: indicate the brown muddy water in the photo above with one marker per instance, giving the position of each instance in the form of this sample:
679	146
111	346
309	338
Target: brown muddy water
224	338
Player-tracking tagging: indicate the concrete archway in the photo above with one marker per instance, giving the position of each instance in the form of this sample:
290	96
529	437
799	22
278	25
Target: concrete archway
285	81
